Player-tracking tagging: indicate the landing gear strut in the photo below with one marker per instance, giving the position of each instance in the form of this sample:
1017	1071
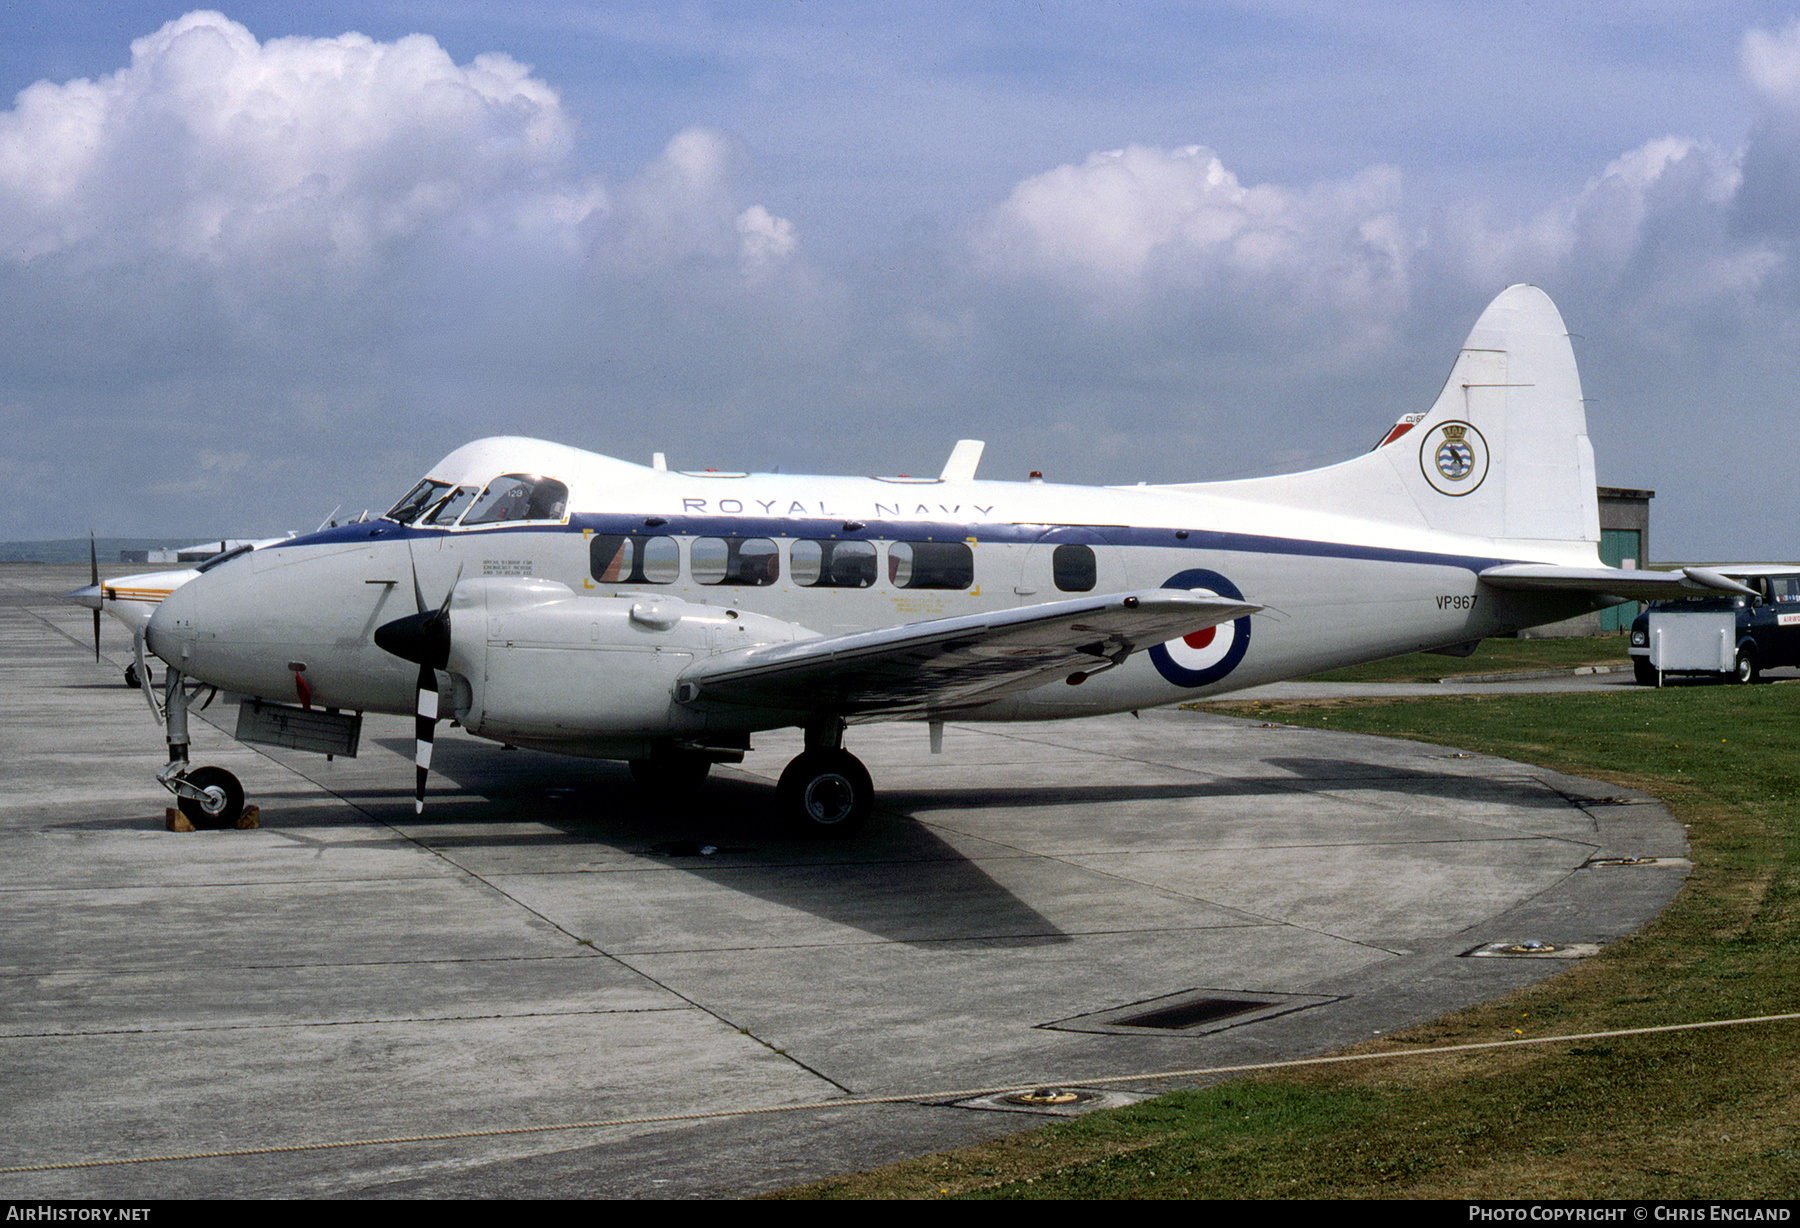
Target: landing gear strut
825	790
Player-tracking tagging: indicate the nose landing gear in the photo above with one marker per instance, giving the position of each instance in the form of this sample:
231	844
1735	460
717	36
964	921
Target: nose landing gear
210	797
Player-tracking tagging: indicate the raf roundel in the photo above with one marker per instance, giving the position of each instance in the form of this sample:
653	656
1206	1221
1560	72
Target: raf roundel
1454	458
1207	655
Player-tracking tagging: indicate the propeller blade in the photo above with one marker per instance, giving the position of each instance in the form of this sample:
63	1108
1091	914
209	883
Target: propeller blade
444	610
94	579
418	593
424	733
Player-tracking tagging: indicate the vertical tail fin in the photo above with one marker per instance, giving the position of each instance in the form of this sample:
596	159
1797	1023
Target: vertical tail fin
1503	453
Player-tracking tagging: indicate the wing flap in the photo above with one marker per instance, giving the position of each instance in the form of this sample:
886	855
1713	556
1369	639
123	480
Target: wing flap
952	662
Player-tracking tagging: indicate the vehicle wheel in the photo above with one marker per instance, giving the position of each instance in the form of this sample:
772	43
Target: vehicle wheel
826	793
671	773
1643	671
131	676
222	802
1745	670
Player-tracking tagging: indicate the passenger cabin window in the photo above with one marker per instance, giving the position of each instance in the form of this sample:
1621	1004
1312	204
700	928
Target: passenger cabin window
832	564
1784	588
616	559
931	565
751	561
1072	567
520	496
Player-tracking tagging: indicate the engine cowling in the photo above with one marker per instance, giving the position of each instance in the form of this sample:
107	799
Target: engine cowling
530	660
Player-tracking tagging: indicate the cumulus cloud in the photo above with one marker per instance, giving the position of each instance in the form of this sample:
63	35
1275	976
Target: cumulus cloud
1673	225
1771	65
212	147
1174	230
682	210
1656	216
210	144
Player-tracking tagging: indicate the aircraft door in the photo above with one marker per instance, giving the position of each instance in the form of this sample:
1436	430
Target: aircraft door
1067	561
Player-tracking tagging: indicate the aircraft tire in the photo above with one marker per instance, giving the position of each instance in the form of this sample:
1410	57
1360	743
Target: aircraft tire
1643	671
1745	670
230	799
671	773
825	793
131	676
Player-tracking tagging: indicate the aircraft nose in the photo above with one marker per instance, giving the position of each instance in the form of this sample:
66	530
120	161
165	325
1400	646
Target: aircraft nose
90	595
170	634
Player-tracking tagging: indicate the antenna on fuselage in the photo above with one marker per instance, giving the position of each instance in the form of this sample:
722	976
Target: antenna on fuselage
964	457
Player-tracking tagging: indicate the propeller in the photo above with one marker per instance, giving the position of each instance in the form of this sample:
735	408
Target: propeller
423	638
94	579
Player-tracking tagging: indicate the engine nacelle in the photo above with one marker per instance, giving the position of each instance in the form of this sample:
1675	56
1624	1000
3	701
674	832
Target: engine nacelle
532	661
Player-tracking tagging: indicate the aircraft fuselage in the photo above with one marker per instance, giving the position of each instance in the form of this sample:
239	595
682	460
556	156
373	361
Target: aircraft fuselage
1335	590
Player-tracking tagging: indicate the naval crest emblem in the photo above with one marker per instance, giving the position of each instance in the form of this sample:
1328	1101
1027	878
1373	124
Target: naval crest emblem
1454	458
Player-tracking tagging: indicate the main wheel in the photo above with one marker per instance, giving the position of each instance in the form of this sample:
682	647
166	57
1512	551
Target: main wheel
221	800
1643	671
826	793
1745	670
671	773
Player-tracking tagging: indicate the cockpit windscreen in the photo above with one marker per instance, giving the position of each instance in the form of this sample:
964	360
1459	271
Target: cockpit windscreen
512	497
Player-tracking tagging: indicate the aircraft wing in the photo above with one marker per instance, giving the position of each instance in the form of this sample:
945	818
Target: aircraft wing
1613	581
953	662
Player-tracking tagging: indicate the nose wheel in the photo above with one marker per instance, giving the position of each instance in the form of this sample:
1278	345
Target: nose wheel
210	797
825	793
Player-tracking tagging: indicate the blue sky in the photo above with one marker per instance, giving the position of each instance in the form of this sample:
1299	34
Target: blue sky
257	270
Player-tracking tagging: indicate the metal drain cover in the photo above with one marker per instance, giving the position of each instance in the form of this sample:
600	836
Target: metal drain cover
1533	948
1054	1101
1192	1012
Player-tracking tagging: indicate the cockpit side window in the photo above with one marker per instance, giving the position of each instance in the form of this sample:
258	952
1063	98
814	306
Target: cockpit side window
417	500
520	496
449	507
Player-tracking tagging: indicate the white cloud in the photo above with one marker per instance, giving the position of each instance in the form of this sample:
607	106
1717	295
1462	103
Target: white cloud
682	210
764	241
211	145
1771	65
1141	224
1659	210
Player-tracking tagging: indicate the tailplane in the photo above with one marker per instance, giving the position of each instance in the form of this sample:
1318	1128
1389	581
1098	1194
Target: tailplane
1503	453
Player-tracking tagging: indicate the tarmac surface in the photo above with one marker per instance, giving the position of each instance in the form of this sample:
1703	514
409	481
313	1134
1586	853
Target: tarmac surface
548	946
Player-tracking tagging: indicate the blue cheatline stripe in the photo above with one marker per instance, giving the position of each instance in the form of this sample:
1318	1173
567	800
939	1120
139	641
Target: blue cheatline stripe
822	528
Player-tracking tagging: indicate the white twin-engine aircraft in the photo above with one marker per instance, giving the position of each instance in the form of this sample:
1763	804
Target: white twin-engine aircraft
552	598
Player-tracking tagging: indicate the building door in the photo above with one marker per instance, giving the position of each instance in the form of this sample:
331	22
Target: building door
1618	548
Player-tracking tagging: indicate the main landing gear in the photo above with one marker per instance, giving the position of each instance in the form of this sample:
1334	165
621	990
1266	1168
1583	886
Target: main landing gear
825	791
210	797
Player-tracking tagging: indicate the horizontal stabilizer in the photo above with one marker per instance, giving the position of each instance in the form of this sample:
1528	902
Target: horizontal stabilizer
1613	581
953	662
